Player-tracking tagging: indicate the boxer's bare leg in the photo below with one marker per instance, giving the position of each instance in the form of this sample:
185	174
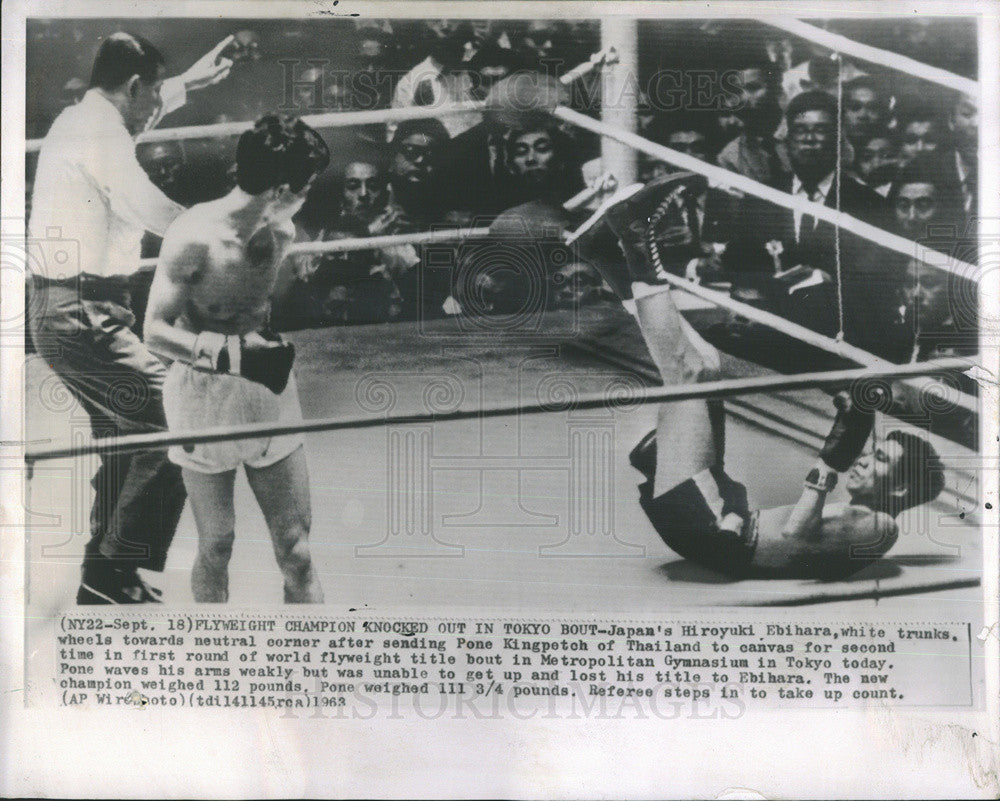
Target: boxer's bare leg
211	497
282	490
688	434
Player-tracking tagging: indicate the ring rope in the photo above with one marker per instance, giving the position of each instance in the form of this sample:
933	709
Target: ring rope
592	400
330	119
874	55
836	180
369	243
810	337
724	177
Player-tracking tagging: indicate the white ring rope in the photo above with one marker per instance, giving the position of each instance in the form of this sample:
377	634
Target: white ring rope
724	177
720	175
601	400
874	55
796	331
331	119
369	243
836	181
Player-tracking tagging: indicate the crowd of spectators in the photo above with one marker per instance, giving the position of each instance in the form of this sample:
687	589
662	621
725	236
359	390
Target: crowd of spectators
898	154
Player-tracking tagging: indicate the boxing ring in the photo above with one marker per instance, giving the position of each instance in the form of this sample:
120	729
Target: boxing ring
461	465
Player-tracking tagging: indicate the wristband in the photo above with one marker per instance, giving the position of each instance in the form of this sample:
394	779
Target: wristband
234	350
207	352
821	480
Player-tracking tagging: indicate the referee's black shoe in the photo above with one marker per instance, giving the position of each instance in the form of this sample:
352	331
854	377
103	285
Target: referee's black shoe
105	583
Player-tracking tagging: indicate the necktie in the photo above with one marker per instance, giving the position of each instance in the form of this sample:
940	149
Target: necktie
691	212
808	223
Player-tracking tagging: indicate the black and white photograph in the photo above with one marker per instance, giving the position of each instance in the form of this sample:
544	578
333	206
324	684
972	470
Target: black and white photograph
590	362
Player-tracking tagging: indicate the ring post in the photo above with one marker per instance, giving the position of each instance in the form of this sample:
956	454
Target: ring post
618	96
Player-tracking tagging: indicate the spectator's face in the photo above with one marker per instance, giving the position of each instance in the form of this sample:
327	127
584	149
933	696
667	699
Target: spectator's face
336	97
877	161
690	142
917	32
920	136
755	94
862	114
965	124
574	285
730	126
441	27
481	30
540	39
533	156
915	207
926	295
414	161
163	166
245	47
370	54
655	169
309	89
490	74
812	143
364	190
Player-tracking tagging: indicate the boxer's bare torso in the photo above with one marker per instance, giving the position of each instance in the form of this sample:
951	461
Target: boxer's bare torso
213	276
841	529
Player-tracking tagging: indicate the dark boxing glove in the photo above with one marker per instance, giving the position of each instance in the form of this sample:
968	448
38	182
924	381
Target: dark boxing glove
269	364
850	432
267	361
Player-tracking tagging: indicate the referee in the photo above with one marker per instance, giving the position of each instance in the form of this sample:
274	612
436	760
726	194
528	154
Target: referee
90	190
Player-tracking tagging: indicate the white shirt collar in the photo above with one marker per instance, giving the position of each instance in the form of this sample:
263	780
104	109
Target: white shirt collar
94	101
963	172
823	186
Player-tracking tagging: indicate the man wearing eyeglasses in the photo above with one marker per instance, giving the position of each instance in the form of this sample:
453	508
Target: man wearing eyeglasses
789	256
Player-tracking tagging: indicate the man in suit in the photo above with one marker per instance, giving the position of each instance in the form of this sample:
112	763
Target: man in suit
789	257
963	156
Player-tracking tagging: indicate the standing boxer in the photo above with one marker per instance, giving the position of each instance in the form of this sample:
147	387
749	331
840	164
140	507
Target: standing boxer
208	315
90	189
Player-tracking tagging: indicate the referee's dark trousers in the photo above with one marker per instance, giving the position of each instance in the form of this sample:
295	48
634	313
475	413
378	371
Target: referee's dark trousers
85	330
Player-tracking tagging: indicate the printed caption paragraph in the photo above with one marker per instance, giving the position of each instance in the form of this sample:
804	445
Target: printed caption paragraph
357	668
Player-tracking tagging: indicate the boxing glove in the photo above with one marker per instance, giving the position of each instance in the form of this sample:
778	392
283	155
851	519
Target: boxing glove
849	434
269	364
266	360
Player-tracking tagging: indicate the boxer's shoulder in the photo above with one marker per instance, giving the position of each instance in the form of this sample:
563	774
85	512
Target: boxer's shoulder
186	248
197	237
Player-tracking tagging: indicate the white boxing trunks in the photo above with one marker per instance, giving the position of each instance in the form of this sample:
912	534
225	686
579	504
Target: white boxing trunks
197	399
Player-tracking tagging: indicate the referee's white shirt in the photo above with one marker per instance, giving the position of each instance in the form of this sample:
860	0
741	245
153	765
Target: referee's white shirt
91	192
